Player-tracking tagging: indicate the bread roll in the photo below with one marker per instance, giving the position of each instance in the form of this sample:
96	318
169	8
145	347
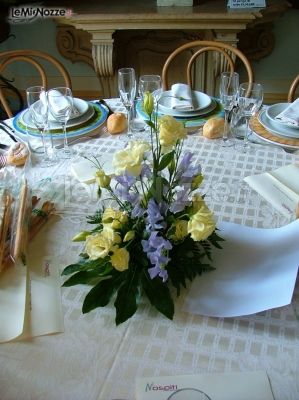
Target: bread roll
213	128
17	154
116	123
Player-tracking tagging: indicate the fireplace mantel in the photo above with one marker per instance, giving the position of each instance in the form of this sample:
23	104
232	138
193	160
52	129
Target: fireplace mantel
114	35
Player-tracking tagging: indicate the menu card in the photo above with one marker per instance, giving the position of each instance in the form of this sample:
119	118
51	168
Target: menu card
279	187
227	386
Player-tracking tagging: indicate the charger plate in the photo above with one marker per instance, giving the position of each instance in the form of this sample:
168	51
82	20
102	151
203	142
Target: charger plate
189	122
97	118
269	137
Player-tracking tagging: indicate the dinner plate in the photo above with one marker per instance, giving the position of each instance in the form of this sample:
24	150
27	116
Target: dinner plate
27	120
97	118
260	131
274	110
200	101
280	130
188	114
79	108
189	122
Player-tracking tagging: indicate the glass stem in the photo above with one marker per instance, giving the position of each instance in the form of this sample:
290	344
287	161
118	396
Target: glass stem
65	142
129	120
246	132
225	129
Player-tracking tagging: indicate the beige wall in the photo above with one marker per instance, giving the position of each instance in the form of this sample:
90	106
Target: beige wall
275	72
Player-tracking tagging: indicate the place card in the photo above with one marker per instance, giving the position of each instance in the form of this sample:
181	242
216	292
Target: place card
226	386
246	3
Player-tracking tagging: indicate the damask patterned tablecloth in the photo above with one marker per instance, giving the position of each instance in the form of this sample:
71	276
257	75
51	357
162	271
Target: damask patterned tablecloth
95	360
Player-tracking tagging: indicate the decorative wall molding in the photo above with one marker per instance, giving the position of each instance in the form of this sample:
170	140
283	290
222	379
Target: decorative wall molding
74	44
144	39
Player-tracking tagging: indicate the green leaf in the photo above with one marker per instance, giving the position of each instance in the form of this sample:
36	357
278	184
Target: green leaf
166	159
158	294
125	303
99	295
85	264
82	277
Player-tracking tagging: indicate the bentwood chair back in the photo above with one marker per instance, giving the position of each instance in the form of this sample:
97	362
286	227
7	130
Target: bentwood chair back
292	91
40	60
228	54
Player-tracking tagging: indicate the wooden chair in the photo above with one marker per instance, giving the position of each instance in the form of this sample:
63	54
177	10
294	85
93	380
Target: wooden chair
226	51
34	57
293	87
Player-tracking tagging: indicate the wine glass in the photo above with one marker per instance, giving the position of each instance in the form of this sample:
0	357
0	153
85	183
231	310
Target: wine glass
229	84
60	101
152	84
127	91
39	111
250	98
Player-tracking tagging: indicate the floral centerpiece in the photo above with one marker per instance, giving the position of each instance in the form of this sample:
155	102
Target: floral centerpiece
158	231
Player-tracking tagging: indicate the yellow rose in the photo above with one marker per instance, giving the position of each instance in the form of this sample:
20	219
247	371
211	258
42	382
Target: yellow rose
102	179
130	159
170	130
129	236
111	235
120	258
201	224
148	103
97	246
80	237
180	229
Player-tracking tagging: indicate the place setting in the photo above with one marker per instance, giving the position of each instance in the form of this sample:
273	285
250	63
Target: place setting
279	124
54	119
191	107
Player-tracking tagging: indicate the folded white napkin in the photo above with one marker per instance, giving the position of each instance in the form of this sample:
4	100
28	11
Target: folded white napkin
182	97
290	115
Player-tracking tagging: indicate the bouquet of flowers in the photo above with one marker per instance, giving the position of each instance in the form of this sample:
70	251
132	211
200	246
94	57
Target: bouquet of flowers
158	231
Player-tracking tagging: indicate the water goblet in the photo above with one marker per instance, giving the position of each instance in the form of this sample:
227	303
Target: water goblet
39	112
127	91
60	101
152	84
250	99
229	84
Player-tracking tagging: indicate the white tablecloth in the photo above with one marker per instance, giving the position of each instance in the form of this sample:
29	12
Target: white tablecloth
95	360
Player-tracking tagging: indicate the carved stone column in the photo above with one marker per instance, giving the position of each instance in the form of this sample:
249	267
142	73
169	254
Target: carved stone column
102	54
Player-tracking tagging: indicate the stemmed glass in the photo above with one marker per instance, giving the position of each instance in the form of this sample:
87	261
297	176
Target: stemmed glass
127	91
39	112
61	106
152	84
229	83
250	98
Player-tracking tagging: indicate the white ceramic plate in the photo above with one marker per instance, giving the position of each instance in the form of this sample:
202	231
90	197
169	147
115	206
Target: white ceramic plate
200	102
283	131
98	117
274	110
27	121
80	108
189	114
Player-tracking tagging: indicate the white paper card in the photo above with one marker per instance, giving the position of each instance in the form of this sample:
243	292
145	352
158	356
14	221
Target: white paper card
13	282
243	284
227	386
84	170
279	187
246	3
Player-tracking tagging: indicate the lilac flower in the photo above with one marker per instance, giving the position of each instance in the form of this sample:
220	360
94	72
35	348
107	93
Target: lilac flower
154	218
181	200
185	162
157	271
